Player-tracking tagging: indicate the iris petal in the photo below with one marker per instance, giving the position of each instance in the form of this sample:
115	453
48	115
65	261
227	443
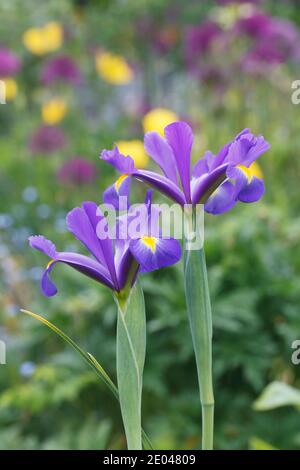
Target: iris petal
161	152
180	137
158	253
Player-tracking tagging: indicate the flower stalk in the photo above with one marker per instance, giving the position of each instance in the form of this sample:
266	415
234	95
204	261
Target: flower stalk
200	319
131	350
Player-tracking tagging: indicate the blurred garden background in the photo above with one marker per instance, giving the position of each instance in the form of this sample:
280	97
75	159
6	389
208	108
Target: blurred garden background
79	76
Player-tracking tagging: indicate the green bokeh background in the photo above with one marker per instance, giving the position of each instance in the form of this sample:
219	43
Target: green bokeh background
253	252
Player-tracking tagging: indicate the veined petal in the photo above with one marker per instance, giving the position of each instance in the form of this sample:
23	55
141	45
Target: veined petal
117	160
154	253
222	199
160	151
116	193
163	184
180	137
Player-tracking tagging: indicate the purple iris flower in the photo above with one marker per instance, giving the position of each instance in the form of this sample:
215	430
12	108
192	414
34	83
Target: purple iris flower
217	181
9	63
61	68
113	260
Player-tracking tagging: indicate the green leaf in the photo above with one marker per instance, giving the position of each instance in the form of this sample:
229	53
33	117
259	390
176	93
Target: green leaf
131	350
275	395
91	360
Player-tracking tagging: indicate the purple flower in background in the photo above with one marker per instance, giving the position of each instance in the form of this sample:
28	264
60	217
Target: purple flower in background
9	63
217	181
199	39
254	25
77	171
274	41
47	139
61	68
112	261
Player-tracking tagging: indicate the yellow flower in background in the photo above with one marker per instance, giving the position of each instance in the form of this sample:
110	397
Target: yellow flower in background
113	68
54	110
10	88
40	41
157	119
134	148
256	170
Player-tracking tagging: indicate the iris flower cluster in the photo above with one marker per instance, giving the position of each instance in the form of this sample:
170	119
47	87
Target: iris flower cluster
119	255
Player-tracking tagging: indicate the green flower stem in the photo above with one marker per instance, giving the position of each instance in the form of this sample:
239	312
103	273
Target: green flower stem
200	319
131	349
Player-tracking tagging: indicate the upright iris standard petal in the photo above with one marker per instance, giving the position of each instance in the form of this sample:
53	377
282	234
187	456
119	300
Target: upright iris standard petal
82	222
205	185
160	151
154	253
180	137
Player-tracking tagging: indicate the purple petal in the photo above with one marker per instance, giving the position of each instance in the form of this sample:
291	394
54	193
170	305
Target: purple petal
222	199
180	137
161	152
117	160
253	191
116	193
42	244
206	185
154	253
201	166
163	184
83	222
123	261
81	263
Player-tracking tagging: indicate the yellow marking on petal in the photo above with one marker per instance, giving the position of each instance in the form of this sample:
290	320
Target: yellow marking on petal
50	263
246	171
150	242
256	170
120	181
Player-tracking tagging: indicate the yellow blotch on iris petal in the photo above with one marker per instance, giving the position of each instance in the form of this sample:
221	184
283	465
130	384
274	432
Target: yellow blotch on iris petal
253	170
120	181
10	89
42	40
113	68
150	242
256	170
54	110
135	149
157	119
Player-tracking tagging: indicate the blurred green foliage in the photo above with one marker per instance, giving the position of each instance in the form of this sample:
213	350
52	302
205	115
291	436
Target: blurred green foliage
49	399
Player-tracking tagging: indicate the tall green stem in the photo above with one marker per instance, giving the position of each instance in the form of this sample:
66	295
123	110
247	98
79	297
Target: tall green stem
131	348
200	319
